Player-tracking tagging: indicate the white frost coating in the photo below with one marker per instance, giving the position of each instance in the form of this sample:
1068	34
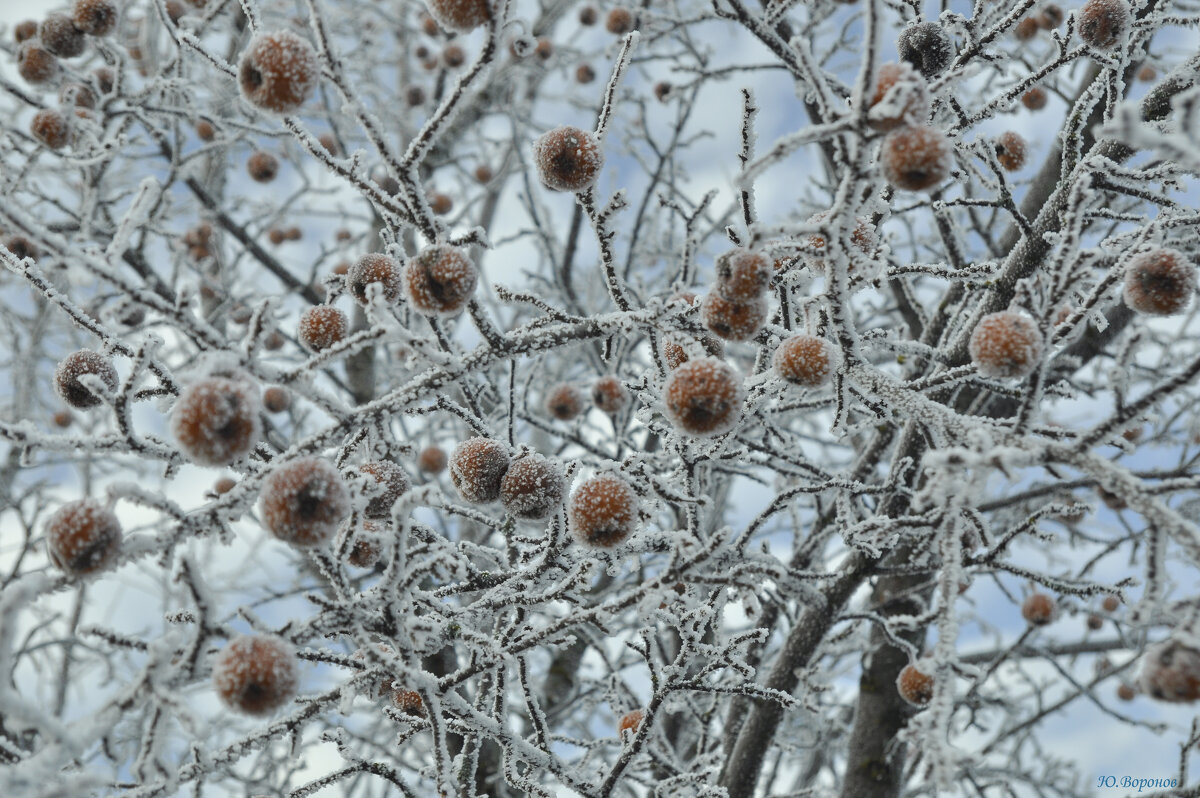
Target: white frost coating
148	193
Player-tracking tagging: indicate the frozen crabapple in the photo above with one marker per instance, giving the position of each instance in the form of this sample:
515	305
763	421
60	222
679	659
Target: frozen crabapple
1171	672
1034	98
1095	622
390	484
440	280
256	674
276	399
60	36
662	91
21	247
1011	151
25	30
584	74
278	72
216	421
82	537
51	128
432	460
1159	282
742	274
1147	73
915	686
304	501
408	701
77	94
703	397
564	401
544	49
440	203
1110	603
901	97
95	17
1026	29
532	487
588	16
602	511
321	326
1126	692
453	56
76	365
676	348
62	419
1113	501
1039	609
630	722
806	360
483	174
1103	23
609	395
374	269
916	158
619	21
1006	345
926	46
459	16
36	64
477	468
733	321
262	166
1051	17
567	158
366	549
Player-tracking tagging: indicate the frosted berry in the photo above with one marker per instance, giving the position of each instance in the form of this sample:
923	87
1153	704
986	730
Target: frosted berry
733	321
36	64
662	91
1110	603
429	25
1126	692
483	174
453	56
276	236
1039	609
609	395
432	460
276	399
1026	29
916	158
374	269
806	360
619	21
742	275
1011	151
1034	99
408	701
914	686
304	501
477	468
440	280
1160	282
278	72
677	348
704	397
1104	23
631	722
414	96
461	16
584	74
61	37
440	203
927	47
532	487
21	247
83	537
62	419
256	674
1006	345
390	483
366	549
51	128
901	97
544	49
1112	501
25	30
603	511
198	241
1171	672
588	16
215	421
79	95
1095	622
321	327
262	166
567	158
223	486
76	365
1147	73
1051	17
273	341
95	17
565	401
